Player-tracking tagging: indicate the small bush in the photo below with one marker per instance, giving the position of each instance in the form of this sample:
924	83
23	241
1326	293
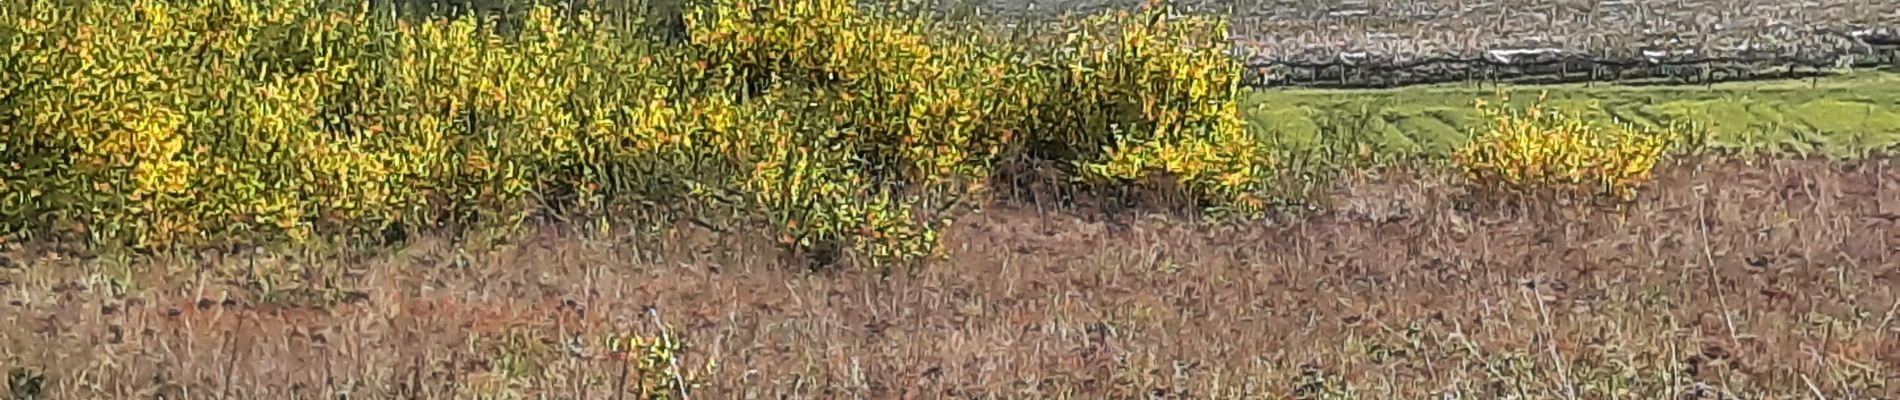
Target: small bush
655	368
1535	150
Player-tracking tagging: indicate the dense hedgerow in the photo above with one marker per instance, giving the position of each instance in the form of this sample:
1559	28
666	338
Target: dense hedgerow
842	129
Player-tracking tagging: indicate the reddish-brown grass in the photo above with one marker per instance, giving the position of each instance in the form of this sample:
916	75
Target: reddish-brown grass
1769	281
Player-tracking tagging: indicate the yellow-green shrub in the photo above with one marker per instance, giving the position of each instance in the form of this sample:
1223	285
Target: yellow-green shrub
106	113
211	119
1128	97
1539	150
801	179
838	128
876	117
917	109
655	365
1147	93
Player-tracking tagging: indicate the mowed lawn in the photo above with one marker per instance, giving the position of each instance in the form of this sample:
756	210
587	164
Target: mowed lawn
1842	116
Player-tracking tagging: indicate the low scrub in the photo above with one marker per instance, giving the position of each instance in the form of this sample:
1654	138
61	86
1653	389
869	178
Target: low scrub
1534	150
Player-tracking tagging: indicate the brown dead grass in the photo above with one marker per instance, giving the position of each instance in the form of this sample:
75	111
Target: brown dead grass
1769	281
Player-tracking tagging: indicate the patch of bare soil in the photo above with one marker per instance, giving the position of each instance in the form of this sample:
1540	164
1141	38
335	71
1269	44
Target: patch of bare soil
1776	280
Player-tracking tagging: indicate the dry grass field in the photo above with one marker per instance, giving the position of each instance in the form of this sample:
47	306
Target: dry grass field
1776	280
